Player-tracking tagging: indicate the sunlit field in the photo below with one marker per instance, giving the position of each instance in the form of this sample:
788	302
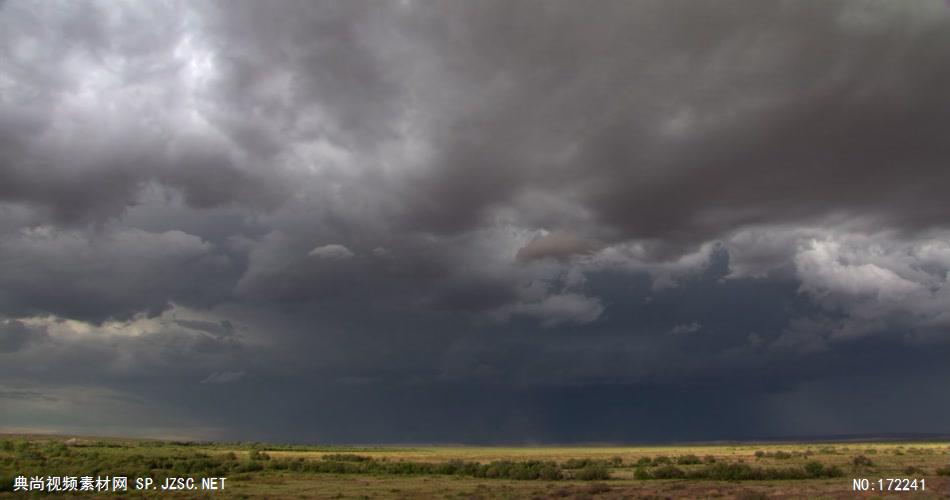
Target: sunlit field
257	470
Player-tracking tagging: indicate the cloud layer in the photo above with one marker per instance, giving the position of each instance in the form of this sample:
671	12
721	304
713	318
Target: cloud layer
473	212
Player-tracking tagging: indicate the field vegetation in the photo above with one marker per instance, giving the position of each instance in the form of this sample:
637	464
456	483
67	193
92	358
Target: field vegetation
295	471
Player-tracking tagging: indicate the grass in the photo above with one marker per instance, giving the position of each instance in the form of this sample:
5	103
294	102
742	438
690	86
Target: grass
261	470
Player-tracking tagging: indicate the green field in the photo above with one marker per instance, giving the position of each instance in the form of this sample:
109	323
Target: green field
742	470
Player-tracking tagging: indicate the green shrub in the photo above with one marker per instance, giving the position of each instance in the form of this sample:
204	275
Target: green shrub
721	471
943	471
688	460
668	472
592	473
644	461
862	461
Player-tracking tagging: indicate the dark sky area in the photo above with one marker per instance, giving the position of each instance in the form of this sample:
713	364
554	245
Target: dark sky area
475	222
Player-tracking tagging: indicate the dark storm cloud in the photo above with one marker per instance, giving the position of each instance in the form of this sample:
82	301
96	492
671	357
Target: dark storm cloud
682	120
491	222
14	335
92	114
100	275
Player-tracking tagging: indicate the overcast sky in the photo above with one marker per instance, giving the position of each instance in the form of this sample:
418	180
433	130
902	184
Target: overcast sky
475	222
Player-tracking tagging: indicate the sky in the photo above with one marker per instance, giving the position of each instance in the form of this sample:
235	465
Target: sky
475	222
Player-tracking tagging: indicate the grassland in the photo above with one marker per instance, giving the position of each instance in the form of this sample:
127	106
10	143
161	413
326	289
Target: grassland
747	470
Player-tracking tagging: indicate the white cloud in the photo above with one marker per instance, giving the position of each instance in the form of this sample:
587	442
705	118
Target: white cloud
331	252
564	308
826	268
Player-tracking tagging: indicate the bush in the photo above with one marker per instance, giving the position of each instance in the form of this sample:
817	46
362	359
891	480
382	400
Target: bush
910	469
688	460
862	461
661	460
576	463
943	471
592	473
816	469
644	461
550	473
256	454
668	472
709	459
721	471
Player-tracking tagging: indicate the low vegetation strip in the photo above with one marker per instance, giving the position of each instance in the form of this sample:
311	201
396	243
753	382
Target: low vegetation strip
740	472
56	458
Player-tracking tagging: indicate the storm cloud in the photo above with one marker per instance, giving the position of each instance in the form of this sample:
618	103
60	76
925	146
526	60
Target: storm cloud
474	221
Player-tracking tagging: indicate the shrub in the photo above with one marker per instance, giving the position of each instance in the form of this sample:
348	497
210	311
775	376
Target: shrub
759	453
688	460
709	459
668	472
661	460
550	473
862	461
721	471
256	454
576	463
22	446
644	461
943	471
592	473
910	469
817	469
